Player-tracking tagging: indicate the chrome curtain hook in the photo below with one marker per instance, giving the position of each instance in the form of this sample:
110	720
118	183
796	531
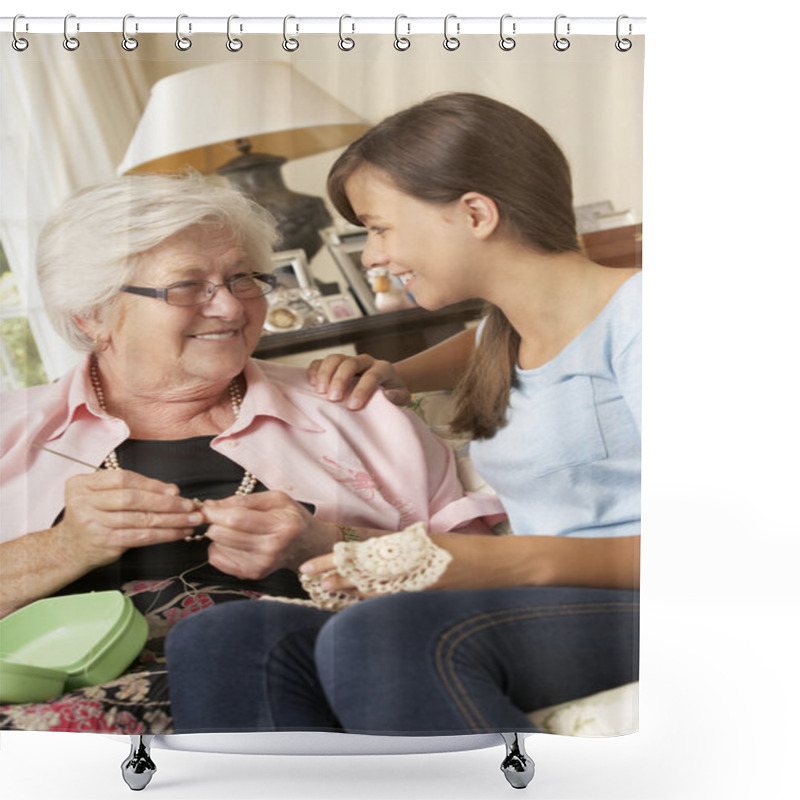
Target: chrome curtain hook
233	44
623	45
401	42
451	42
560	42
345	42
70	43
182	42
128	42
507	42
289	44
17	42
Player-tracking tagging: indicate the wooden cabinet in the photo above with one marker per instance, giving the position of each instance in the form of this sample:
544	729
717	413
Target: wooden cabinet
391	336
617	247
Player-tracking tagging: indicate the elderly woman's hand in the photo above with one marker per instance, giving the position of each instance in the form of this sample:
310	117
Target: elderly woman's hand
254	535
110	511
356	378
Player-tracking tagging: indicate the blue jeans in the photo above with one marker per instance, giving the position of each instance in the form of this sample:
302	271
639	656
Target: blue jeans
435	663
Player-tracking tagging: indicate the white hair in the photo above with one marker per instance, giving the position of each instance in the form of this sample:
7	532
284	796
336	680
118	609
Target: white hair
91	245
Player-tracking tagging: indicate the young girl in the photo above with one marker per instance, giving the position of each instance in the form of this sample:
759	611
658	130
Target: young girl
465	197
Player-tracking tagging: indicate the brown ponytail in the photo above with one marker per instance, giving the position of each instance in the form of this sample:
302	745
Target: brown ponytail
444	147
481	396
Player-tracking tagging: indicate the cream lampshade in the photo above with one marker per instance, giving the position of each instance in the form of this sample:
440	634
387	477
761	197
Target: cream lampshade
244	120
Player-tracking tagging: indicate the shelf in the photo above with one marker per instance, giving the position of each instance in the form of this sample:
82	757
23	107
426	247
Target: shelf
393	335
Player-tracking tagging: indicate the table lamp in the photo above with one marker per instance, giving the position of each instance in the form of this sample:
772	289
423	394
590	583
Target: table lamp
244	120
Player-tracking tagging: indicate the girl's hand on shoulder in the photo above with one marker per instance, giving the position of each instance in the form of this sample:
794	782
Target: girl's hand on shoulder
355	379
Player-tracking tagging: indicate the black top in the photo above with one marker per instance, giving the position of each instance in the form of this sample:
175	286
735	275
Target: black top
200	473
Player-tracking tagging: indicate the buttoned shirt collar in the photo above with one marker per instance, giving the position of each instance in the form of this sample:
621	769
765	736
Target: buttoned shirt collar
263	398
80	398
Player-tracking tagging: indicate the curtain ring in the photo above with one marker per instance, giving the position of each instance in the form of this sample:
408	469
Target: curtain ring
289	44
623	45
401	42
70	43
451	42
182	42
128	42
345	42
559	42
507	42
233	44
17	42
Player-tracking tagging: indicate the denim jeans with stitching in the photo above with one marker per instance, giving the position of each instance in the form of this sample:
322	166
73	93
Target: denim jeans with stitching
435	663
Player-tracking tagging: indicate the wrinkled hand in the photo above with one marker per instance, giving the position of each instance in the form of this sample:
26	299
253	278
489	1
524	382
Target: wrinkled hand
356	378
110	511
333	582
254	535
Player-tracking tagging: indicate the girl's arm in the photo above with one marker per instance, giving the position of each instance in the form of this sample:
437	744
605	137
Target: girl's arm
491	562
439	367
481	562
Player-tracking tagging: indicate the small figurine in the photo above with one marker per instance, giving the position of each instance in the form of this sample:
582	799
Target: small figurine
389	293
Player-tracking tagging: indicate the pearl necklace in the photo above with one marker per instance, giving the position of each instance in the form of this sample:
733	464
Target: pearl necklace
111	461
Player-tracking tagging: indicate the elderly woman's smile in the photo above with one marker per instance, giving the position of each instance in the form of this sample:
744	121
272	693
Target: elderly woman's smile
214	337
208	341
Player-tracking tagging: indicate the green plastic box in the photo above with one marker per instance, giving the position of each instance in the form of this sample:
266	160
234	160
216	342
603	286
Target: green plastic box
59	644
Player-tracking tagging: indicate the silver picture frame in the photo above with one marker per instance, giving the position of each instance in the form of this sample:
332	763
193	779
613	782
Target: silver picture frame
291	269
295	301
340	307
346	249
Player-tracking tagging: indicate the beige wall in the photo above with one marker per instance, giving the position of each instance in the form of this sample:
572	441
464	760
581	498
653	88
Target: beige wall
589	97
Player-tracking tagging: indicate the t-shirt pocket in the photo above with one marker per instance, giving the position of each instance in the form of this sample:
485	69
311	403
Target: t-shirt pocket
564	430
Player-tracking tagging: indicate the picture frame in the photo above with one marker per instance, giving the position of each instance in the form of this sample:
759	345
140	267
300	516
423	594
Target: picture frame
291	269
586	215
295	301
346	249
340	307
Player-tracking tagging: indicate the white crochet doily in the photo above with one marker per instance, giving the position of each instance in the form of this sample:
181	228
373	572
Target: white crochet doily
407	561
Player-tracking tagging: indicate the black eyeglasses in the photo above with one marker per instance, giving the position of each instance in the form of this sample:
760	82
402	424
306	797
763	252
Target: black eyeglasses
195	293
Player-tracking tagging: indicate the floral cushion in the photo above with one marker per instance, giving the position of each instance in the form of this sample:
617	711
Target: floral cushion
138	701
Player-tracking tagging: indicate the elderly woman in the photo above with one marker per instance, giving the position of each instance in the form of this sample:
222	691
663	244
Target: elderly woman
168	462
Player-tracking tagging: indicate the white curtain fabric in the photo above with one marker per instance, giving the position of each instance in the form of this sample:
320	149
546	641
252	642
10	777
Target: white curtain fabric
66	120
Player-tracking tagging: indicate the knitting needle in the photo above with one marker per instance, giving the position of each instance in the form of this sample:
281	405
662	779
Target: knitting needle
86	464
64	455
92	466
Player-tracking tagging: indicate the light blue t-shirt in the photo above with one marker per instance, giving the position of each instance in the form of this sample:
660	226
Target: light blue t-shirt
568	462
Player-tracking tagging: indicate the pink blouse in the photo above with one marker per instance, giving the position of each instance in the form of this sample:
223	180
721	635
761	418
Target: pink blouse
379	467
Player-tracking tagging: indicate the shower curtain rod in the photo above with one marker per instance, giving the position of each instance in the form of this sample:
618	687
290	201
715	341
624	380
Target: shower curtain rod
347	24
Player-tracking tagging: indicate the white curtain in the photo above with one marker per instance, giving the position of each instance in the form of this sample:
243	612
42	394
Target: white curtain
67	119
